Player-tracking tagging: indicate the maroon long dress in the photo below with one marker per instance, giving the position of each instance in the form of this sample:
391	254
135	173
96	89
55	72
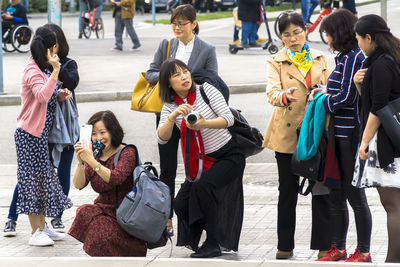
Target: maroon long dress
95	225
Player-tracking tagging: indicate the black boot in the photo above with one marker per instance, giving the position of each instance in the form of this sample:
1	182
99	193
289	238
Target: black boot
209	249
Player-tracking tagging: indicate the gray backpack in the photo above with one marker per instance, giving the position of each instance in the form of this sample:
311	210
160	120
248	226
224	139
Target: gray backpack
145	210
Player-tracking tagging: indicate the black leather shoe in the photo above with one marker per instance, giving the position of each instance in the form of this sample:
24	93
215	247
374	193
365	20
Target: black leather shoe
207	251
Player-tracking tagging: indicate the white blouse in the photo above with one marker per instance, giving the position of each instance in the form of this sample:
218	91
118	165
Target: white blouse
184	51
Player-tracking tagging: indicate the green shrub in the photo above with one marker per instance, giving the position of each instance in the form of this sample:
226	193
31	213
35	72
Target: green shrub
37	6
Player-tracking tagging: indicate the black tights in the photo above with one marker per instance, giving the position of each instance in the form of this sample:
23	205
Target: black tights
355	196
390	199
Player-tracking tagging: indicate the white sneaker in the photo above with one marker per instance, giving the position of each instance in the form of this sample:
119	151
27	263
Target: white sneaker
40	239
53	235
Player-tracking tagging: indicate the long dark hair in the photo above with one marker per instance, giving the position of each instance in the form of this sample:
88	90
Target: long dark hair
340	26
188	12
44	38
288	18
63	47
375	26
167	69
112	125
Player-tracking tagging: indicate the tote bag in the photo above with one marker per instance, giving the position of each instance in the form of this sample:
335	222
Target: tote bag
145	95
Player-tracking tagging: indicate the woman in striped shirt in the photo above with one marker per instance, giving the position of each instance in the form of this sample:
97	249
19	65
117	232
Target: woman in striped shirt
342	104
214	165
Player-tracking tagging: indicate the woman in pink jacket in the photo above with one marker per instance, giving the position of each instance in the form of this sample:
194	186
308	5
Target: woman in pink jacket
39	190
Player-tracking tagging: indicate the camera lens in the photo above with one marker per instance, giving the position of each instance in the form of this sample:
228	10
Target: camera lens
191	118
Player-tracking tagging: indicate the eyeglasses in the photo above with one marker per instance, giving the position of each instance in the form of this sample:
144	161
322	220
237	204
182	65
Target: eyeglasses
295	34
180	25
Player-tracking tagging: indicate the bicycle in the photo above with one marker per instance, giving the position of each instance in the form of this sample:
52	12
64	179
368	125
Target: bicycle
90	24
327	9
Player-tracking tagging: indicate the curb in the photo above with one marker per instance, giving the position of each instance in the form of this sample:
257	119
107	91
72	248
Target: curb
97	96
162	262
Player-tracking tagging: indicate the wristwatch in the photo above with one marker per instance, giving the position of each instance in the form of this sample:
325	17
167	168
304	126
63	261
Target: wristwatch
97	168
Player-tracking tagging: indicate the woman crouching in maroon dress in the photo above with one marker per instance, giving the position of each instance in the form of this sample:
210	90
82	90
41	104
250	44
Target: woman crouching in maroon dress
96	225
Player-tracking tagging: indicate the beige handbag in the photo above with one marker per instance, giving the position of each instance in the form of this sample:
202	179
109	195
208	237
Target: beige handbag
145	95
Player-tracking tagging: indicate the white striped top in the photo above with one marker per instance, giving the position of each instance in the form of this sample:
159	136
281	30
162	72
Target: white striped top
213	139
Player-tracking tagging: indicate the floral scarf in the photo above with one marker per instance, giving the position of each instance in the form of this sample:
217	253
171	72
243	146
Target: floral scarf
302	60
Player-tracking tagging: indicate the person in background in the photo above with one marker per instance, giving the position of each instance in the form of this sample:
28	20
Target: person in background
123	13
307	10
95	225
378	84
84	6
342	104
350	5
249	13
26	5
291	73
198	55
69	77
39	191
15	14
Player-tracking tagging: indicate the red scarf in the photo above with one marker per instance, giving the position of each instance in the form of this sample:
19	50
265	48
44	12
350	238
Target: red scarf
194	151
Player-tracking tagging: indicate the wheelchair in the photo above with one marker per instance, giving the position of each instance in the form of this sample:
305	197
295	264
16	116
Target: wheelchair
18	37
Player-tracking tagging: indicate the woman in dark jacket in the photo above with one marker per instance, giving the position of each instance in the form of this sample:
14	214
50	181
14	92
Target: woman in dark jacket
379	84
69	77
342	103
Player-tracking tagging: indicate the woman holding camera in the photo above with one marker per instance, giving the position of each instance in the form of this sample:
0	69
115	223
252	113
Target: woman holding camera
96	225
292	72
198	55
214	200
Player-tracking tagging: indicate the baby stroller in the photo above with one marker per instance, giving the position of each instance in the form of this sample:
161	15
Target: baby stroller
271	44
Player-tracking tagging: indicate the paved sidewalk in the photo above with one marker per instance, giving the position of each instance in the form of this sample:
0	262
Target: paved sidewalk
258	238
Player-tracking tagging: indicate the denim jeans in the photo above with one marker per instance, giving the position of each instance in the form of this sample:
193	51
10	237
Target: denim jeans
249	31
350	5
307	10
82	9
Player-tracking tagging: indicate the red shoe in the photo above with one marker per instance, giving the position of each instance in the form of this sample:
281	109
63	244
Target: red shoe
334	255
359	257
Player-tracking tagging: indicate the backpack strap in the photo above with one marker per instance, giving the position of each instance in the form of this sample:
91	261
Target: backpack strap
204	96
116	158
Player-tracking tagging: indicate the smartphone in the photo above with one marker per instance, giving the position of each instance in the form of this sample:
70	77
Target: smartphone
97	147
85	135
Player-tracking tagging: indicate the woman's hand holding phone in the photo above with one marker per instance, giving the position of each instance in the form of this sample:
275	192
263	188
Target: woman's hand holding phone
83	154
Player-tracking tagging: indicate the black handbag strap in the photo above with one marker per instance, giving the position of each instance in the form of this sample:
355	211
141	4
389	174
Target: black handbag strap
308	189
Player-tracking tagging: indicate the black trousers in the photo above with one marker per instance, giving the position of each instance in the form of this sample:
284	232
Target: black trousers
206	205
355	196
287	202
169	161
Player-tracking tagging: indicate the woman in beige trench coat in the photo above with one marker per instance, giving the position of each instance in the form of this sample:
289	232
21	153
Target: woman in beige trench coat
291	73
